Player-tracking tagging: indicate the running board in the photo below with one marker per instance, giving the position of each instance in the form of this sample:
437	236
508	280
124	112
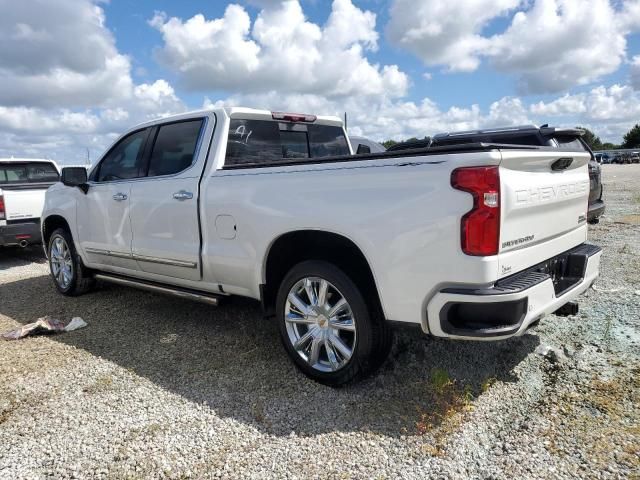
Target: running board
204	297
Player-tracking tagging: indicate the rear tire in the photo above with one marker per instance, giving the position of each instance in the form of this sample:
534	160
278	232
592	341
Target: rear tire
326	326
68	273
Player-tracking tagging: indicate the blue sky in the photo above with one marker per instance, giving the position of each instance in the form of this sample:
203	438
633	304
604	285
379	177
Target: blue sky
129	22
88	70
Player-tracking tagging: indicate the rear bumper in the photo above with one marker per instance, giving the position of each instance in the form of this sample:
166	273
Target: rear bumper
511	305
596	209
15	233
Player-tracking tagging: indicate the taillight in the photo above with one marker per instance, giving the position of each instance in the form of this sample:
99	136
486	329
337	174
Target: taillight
2	212
480	227
293	117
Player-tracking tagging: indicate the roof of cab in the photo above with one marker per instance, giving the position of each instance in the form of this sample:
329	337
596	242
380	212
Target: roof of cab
243	112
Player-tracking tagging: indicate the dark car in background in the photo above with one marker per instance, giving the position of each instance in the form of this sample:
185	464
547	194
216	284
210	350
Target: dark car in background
526	135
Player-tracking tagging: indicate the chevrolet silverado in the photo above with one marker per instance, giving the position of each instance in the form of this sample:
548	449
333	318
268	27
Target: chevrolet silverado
475	241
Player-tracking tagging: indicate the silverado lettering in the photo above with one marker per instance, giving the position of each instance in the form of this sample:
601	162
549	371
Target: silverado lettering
517	241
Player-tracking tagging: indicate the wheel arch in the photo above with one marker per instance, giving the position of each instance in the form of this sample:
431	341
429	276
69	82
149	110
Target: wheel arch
293	247
51	224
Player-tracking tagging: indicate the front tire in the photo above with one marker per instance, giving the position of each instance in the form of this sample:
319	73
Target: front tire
68	273
326	326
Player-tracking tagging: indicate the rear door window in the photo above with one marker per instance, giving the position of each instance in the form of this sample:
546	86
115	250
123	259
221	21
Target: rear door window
174	147
265	141
32	172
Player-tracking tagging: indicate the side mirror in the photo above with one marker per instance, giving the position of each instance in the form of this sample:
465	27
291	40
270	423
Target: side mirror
363	149
75	177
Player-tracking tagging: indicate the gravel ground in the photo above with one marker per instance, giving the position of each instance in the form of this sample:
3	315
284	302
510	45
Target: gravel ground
159	387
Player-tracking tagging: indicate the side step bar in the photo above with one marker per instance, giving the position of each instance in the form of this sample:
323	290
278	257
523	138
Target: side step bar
204	297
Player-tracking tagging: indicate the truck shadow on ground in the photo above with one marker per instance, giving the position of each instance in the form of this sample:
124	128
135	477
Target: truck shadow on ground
19	257
230	359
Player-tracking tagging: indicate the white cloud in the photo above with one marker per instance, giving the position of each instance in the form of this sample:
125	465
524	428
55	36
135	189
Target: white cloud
64	84
59	54
549	45
560	43
445	32
614	103
629	18
281	50
565	105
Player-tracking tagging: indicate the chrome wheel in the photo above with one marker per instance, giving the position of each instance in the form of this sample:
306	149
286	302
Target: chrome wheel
320	324
61	262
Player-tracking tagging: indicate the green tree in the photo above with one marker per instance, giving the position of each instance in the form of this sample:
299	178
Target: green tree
389	143
591	138
609	146
632	138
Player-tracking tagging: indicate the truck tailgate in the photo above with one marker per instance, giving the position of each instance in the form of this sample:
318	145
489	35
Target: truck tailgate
544	205
23	203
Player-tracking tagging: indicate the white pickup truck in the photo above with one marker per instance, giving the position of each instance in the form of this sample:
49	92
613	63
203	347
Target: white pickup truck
475	241
23	183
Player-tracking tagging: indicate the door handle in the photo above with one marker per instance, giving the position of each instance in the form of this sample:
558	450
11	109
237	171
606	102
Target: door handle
118	197
183	195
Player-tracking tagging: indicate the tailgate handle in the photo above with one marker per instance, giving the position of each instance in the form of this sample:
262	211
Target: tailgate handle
561	164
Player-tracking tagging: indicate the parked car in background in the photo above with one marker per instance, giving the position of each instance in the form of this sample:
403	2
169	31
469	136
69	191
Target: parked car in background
621	159
23	183
466	241
602	158
364	145
635	157
544	136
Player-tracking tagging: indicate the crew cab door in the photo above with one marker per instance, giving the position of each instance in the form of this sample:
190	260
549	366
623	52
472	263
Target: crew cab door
104	229
164	205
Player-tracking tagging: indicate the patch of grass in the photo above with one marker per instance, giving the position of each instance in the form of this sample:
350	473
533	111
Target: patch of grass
448	402
486	384
440	380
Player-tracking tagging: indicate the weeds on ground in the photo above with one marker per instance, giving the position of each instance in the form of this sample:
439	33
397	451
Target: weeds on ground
449	401
486	384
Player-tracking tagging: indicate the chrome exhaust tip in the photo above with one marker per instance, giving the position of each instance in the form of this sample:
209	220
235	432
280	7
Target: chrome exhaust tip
23	243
